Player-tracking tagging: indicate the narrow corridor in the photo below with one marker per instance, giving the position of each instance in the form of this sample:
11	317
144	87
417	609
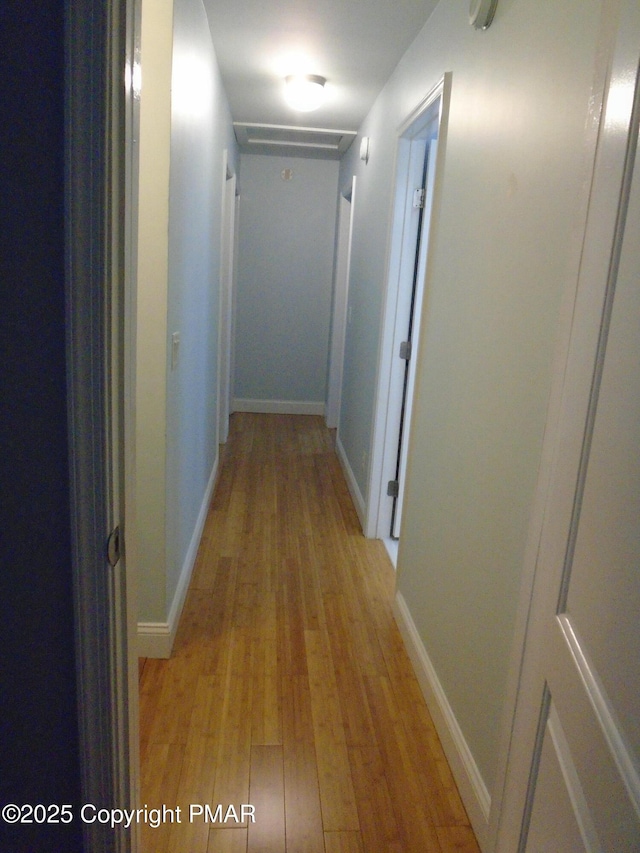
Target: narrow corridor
289	688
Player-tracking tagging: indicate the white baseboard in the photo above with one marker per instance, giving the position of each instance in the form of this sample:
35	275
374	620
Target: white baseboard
352	483
473	790
279	407
155	639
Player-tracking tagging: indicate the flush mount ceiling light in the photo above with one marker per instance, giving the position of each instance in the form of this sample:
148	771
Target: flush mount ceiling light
481	13
304	92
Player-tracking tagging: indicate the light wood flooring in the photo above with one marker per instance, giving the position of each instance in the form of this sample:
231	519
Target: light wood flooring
289	687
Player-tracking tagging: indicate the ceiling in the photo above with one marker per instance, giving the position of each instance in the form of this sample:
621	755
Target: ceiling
354	44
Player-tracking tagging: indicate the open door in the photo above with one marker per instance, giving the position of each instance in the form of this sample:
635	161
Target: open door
573	781
418	166
408	347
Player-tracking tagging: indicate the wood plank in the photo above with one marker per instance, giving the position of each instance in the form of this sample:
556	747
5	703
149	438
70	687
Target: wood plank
149	696
378	826
266	794
266	722
348	668
267	695
160	778
303	815
215	653
339	810
175	701
227	841
199	768
436	780
207	706
290	624
457	839
343	842
398	754
188	835
233	759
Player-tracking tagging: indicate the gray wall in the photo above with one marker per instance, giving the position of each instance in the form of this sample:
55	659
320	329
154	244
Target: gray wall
285	269
185	128
200	132
514	178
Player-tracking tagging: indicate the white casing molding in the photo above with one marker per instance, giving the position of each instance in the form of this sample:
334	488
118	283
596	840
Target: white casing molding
473	790
279	407
156	639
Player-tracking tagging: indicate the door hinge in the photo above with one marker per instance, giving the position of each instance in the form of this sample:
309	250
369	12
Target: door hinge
405	350
113	547
418	198
393	488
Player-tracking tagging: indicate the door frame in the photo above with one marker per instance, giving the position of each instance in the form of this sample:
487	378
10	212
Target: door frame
102	104
346	207
226	297
410	141
611	132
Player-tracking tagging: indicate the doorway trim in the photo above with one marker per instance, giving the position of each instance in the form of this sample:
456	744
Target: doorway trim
102	45
226	297
346	207
410	145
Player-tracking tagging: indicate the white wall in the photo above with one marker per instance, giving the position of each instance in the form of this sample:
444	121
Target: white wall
151	322
285	269
180	224
515	178
200	131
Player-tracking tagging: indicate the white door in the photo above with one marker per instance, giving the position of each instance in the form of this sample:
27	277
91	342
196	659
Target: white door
588	791
581	673
412	335
417	189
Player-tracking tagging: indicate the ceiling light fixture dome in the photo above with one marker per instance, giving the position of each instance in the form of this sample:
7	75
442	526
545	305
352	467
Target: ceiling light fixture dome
304	92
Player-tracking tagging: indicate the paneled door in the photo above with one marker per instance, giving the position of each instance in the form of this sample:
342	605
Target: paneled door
581	673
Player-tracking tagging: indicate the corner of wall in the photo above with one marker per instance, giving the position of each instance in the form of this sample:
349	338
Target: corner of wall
352	483
156	639
473	790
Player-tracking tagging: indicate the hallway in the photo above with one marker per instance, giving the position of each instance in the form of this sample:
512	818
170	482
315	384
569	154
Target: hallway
289	688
